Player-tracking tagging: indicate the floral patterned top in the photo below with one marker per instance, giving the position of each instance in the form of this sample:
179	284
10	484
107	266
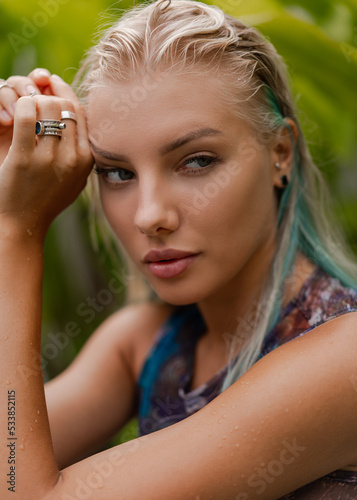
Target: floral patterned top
165	395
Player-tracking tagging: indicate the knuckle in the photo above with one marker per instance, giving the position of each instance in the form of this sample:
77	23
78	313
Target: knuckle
71	160
67	105
80	110
13	79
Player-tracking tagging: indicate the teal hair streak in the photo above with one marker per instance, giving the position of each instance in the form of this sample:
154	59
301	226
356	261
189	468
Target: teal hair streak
303	234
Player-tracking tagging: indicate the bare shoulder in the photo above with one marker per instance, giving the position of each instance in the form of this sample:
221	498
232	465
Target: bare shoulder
132	330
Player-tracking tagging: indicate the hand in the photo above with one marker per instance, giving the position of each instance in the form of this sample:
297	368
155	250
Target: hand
17	86
42	175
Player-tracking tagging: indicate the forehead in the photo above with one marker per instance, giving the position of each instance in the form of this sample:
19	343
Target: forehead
158	106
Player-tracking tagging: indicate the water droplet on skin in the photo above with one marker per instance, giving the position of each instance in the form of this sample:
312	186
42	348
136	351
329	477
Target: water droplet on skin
220	445
219	421
31	429
20	362
214	413
6	337
244	434
29	232
38	412
36	420
224	416
237	445
224	437
236	428
223	405
8	382
22	447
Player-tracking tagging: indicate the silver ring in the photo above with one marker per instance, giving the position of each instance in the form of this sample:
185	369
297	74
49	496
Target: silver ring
32	93
52	131
49	127
68	115
5	85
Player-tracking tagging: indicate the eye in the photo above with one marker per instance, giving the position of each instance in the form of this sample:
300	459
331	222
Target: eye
114	175
199	163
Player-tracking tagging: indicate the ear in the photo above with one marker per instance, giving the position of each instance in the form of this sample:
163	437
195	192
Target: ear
282	154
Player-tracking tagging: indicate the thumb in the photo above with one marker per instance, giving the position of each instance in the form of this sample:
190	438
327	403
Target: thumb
41	78
61	89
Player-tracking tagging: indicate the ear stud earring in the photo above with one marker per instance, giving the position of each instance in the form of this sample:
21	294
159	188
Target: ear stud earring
278	166
284	180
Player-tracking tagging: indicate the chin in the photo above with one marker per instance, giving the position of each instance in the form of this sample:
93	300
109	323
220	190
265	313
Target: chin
177	295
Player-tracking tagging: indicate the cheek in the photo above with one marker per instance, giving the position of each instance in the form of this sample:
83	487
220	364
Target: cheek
117	212
240	215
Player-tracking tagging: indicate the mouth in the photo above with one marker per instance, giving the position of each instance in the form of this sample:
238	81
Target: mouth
169	263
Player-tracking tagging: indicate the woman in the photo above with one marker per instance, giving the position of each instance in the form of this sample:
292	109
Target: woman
205	178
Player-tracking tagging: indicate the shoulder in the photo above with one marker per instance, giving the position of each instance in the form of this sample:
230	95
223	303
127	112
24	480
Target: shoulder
325	297
132	330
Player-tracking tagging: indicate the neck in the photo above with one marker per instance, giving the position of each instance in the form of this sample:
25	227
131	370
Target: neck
233	312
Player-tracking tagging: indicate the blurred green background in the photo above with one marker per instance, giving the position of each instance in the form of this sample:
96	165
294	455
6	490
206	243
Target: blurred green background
318	40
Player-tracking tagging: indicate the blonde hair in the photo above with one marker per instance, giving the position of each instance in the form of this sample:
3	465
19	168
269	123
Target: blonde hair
182	36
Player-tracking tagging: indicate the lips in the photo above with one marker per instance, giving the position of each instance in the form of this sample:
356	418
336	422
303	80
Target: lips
169	263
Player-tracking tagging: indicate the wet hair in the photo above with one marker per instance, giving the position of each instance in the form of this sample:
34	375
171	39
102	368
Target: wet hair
183	37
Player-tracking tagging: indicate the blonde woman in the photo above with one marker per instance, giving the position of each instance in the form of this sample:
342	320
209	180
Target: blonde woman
243	376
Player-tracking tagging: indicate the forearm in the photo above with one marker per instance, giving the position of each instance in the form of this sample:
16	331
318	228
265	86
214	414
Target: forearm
25	436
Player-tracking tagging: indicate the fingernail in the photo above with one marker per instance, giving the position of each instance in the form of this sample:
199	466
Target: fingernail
43	72
56	77
5	115
30	89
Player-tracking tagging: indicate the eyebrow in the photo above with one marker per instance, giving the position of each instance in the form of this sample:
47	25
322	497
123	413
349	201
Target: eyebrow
191	136
107	154
168	148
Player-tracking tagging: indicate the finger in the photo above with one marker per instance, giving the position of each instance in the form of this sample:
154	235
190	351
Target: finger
41	78
8	98
24	140
61	89
48	108
82	132
5	118
23	85
69	134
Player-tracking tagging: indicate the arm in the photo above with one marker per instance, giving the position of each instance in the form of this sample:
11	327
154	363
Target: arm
96	396
292	416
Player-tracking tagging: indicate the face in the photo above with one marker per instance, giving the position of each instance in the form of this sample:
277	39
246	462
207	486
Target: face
185	184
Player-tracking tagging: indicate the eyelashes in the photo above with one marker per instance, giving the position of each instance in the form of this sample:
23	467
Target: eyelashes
124	174
117	176
208	162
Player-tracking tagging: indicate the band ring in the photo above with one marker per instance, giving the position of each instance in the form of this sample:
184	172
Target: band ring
49	127
4	84
68	115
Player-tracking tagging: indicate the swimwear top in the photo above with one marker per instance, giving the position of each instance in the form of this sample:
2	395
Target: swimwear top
165	395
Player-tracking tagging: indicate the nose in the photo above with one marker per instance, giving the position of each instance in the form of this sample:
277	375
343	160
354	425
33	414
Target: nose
156	212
